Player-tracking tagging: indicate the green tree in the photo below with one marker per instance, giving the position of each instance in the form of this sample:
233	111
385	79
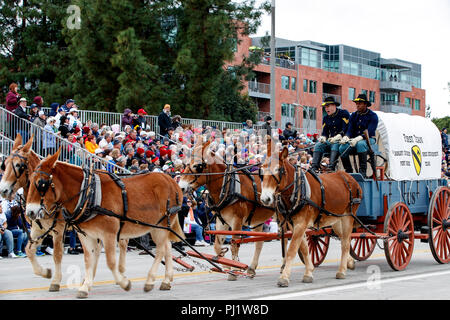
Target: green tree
32	47
138	79
442	122
208	35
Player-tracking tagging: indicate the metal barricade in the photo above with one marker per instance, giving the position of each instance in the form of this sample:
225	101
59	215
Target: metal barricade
46	143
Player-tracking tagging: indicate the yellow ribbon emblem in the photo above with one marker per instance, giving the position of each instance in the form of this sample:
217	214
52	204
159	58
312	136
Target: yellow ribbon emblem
417	159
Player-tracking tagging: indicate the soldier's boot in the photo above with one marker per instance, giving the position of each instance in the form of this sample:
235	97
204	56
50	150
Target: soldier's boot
362	157
347	164
334	158
317	156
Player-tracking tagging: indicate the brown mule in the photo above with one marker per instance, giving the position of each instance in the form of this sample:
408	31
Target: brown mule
279	183
147	200
18	166
237	213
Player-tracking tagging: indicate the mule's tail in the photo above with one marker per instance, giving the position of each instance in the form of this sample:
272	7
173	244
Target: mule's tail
175	225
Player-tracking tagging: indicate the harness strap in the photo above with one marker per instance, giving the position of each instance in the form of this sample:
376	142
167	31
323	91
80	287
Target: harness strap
121	185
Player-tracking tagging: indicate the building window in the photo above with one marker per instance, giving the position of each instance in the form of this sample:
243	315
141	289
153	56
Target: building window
285	82
310	57
351	93
372	96
364	91
309	113
312	86
293	83
305	85
408	102
416	104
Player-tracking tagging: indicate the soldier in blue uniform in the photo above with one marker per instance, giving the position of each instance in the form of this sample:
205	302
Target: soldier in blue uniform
360	120
334	127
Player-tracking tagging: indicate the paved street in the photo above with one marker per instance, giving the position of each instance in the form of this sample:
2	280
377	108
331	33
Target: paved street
423	279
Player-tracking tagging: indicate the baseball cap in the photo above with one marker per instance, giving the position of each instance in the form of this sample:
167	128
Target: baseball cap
141	111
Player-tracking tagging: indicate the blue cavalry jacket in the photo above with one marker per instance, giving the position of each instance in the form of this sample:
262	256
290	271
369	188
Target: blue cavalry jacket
336	123
360	122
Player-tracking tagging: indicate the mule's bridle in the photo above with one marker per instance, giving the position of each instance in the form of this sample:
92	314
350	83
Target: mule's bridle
23	167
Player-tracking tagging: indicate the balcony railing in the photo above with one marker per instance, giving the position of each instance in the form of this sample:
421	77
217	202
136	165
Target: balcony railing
259	87
395	107
283	63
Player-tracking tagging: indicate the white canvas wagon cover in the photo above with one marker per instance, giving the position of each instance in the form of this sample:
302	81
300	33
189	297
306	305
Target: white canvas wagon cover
412	145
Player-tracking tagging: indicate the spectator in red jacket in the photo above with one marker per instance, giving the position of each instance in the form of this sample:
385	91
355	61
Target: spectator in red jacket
12	98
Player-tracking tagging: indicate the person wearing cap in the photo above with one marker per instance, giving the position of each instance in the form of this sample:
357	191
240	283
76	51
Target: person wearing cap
34	111
360	120
140	155
127	118
58	116
39	101
164	120
74	120
69	103
288	132
40	120
139	120
334	127
267	126
155	165
21	110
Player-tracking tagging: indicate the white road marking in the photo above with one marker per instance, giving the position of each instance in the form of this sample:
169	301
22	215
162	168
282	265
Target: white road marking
349	286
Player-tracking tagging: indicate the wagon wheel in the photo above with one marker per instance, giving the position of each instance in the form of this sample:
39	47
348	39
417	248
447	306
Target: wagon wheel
439	225
399	227
361	248
318	248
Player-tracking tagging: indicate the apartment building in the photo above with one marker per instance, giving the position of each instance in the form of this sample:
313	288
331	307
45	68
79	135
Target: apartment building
307	72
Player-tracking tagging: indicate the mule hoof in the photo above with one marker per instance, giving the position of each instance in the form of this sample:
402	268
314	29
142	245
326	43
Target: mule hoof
283	283
165	286
307	279
251	272
351	265
54	287
148	287
128	286
232	277
340	275
82	295
48	274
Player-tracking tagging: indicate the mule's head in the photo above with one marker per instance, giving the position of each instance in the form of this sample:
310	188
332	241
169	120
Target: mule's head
275	177
45	188
197	165
15	168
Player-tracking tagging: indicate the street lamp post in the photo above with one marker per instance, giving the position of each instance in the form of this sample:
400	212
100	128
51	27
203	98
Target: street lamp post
272	63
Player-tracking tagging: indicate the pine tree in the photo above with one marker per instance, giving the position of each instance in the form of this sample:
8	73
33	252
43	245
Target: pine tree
31	46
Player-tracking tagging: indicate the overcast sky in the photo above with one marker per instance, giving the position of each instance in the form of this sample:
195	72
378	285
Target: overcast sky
412	30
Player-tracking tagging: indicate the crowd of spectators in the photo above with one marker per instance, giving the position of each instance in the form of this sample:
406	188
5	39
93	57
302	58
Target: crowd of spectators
132	145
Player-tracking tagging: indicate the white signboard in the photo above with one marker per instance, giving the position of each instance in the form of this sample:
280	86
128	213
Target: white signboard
413	146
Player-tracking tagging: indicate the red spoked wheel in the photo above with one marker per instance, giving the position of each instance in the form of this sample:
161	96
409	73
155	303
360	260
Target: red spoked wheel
361	248
399	226
439	225
318	248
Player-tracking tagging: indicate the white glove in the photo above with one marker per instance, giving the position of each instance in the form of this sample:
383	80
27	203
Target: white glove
322	139
335	139
354	141
344	140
